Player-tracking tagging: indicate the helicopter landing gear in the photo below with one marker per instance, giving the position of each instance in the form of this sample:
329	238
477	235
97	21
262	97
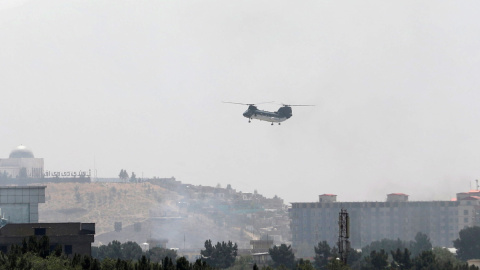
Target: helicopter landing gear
249	121
272	123
279	124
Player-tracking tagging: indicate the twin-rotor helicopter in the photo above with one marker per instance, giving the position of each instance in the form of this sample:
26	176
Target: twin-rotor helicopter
282	114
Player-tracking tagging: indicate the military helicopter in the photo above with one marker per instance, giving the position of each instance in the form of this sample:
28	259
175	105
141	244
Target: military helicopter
282	114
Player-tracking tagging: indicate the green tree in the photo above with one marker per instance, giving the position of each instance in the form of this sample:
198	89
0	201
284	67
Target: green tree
44	246
168	264
183	264
133	178
401	260
336	264
201	265
222	255
385	244
468	243
243	263
304	265
376	260
112	250
282	255
123	175
444	257
425	260
158	254
322	255
421	243
354	258
131	251
143	264
108	263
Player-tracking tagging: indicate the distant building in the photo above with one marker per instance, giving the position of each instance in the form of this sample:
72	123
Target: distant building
21	163
19	204
157	242
261	245
395	218
75	238
260	251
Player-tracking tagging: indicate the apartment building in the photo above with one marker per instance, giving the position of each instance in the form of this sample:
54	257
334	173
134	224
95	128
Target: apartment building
395	218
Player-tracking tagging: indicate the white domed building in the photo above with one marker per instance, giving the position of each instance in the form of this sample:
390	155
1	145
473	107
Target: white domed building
21	163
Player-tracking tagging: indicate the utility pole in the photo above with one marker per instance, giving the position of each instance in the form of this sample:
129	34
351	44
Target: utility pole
343	235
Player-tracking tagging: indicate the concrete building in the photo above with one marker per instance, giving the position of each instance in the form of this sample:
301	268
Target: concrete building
260	251
395	218
19	208
21	163
75	238
19	204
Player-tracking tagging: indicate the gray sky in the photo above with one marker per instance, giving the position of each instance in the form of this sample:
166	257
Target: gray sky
139	85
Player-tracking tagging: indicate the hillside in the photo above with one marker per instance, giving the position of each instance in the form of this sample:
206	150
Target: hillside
130	203
104	203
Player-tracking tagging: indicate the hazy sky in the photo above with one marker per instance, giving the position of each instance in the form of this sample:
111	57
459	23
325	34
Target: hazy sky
139	85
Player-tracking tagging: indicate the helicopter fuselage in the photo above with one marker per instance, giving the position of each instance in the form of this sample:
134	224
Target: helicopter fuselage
273	117
283	113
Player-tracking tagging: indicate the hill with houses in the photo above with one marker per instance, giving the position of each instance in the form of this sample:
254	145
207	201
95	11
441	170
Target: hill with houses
166	210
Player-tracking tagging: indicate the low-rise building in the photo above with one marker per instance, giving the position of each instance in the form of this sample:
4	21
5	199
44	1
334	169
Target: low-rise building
74	238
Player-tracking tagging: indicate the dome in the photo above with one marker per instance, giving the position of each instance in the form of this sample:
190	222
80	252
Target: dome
21	152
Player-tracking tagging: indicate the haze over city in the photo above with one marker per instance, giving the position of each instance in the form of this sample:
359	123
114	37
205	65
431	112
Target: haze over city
139	86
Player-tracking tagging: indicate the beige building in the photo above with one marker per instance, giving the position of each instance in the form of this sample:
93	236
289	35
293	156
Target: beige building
394	218
21	163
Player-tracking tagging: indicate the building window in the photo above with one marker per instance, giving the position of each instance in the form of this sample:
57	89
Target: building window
465	220
52	247
40	231
68	249
465	212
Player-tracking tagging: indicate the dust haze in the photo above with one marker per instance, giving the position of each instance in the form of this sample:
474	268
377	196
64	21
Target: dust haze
139	85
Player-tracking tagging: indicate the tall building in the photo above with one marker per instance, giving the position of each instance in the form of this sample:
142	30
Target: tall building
22	163
395	218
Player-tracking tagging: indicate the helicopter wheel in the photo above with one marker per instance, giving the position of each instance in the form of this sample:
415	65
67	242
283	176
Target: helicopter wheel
249	121
272	123
279	124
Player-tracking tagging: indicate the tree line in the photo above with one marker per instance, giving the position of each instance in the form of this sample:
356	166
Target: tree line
387	254
37	253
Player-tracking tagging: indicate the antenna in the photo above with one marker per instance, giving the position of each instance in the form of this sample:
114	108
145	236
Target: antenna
343	235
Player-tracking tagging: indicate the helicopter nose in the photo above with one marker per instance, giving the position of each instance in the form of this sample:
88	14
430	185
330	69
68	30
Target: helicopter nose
247	114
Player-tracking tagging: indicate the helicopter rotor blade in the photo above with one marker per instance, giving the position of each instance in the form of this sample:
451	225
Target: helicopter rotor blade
248	104
264	102
238	103
296	105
